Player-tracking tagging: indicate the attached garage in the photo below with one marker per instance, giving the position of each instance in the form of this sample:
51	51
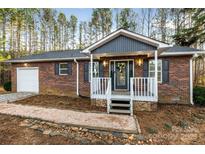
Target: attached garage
28	79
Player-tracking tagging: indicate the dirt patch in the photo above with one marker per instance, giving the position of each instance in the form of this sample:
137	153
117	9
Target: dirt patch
62	102
174	124
16	130
12	133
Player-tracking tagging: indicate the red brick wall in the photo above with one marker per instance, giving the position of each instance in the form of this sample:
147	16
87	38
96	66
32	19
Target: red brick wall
176	91
178	88
49	83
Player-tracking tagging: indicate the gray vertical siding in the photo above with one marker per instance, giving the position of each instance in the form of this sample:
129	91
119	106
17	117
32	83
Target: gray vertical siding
123	44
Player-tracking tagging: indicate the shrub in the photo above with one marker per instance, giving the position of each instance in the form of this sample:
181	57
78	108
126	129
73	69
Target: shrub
183	124
168	126
199	95
152	130
7	86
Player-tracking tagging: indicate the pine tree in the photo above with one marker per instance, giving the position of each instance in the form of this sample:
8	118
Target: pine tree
127	19
73	28
194	35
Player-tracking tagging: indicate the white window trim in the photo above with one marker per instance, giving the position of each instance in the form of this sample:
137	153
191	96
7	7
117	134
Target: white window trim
60	69
89	70
159	60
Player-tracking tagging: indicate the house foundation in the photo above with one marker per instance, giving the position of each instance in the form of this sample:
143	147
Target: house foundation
99	102
137	105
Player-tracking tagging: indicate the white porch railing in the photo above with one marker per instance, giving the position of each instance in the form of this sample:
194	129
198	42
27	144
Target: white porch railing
143	88
101	87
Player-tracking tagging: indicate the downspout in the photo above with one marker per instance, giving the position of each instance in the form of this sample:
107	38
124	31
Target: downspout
77	77
191	77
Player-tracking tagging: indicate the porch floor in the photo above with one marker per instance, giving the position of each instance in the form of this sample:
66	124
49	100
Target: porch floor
101	121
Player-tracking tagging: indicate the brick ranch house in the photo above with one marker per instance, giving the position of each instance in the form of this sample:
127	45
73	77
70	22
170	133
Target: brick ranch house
117	72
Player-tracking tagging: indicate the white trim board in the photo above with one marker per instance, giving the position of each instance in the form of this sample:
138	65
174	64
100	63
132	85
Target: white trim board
181	53
52	59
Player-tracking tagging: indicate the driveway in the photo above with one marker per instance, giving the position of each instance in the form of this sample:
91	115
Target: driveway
11	97
101	121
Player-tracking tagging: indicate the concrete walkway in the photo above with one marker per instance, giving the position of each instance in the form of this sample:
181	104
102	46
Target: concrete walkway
101	121
11	97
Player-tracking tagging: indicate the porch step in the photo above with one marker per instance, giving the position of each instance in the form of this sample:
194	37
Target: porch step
120	105
121	99
119	111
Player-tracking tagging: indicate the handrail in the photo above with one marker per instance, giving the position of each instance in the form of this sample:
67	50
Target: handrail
142	87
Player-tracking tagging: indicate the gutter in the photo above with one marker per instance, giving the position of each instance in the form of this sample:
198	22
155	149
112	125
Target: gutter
77	77
181	53
191	77
43	60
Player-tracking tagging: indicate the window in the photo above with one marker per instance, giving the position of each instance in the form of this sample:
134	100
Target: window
63	69
95	70
152	69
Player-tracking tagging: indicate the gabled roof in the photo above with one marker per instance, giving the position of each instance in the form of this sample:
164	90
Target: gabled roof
52	56
128	34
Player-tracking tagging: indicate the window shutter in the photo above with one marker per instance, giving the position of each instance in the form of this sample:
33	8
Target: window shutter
86	71
56	67
112	74
70	68
165	71
101	69
130	70
145	68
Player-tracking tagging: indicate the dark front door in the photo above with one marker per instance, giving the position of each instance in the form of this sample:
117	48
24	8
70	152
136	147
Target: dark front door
121	75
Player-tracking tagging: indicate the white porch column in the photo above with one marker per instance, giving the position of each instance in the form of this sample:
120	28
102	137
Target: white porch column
156	74
91	75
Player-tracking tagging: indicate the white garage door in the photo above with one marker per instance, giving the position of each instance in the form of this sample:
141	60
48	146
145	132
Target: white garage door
27	80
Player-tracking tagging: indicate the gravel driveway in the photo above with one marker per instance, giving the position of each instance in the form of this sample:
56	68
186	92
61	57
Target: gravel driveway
101	121
11	97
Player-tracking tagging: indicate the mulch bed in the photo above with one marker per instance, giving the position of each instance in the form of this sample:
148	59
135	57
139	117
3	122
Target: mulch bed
62	102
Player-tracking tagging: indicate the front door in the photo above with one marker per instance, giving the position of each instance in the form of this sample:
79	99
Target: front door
121	75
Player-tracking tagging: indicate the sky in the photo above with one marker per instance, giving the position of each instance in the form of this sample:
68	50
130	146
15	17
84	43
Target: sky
81	14
84	14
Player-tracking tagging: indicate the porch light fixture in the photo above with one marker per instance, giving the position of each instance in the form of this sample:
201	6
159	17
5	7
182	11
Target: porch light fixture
104	63
25	64
139	61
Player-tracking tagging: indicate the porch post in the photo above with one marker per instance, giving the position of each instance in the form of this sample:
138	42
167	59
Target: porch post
91	75
156	75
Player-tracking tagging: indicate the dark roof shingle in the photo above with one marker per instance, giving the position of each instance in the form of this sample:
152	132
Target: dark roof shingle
52	55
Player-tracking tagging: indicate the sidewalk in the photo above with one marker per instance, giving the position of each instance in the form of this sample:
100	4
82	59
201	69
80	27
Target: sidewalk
101	121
